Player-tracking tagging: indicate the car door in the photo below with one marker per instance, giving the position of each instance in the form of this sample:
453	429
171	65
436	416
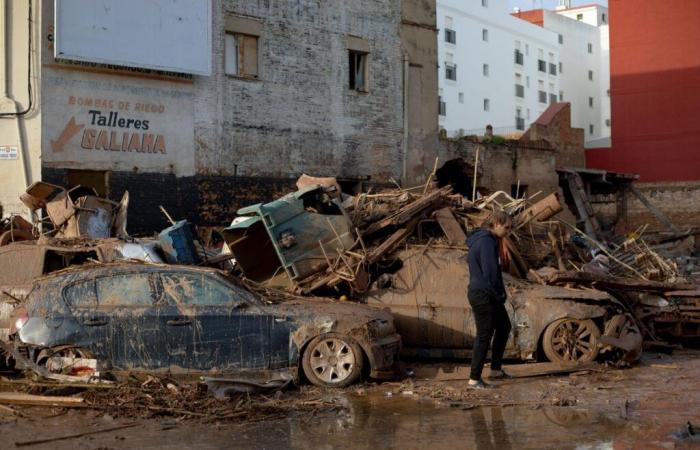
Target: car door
127	302
81	299
231	330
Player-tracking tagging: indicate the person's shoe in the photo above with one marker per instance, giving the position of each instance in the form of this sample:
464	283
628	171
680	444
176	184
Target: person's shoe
498	375
478	384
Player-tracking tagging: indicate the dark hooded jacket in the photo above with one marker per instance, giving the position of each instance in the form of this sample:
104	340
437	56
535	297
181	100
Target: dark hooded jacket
484	267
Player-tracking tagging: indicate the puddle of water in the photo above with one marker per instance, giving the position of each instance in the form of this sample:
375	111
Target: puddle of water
400	422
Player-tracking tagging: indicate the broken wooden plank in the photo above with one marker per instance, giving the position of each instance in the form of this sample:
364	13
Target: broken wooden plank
542	210
409	211
654	210
20	398
545	368
449	225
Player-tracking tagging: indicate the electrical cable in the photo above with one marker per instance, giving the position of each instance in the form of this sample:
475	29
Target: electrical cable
29	72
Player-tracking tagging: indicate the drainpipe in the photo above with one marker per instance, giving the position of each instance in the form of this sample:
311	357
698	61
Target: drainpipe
405	115
6	100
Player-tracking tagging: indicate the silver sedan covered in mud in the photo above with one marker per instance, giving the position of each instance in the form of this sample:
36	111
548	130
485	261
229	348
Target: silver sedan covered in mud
177	319
428	297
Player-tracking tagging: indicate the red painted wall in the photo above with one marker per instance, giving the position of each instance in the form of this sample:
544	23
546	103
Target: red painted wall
655	90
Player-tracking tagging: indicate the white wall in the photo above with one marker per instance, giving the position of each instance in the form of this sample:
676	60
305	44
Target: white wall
592	15
470	53
576	62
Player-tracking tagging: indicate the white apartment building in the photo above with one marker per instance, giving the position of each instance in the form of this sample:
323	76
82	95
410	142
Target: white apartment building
495	69
583	35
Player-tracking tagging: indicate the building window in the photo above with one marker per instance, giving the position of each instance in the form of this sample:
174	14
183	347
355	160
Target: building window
579	16
519	90
552	98
590	102
451	71
590	75
519	120
604	18
527	49
527	81
561	67
485	3
552	69
590	48
542	96
461	97
590	129
561	96
561	39
485	35
485	70
241	55
518	57
358	70
607	122
450	36
442	107
542	65
608	92
528	114
487	104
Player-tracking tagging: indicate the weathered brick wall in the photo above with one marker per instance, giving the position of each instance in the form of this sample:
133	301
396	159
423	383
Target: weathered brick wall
679	201
301	116
500	166
554	126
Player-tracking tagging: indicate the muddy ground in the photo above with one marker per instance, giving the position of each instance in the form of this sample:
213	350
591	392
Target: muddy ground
641	407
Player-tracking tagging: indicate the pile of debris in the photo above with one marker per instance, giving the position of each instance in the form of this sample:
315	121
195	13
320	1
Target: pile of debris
320	241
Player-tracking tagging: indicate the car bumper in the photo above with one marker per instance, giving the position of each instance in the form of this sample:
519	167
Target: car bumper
383	354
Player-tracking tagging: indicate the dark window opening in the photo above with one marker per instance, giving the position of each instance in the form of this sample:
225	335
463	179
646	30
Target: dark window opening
95	179
518	190
450	36
358	70
458	174
451	71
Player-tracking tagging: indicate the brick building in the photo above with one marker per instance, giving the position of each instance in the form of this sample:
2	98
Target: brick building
347	89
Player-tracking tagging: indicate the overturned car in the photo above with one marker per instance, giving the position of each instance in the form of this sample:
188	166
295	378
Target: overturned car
428	297
185	320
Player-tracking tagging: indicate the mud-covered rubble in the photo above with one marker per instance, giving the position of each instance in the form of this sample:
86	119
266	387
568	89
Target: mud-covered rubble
149	397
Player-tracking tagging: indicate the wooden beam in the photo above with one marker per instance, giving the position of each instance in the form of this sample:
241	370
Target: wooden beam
654	210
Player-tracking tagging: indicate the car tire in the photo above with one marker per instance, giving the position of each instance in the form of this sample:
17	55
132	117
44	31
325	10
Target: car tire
571	341
332	360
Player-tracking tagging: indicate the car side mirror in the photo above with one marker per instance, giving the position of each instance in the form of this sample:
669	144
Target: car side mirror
240	305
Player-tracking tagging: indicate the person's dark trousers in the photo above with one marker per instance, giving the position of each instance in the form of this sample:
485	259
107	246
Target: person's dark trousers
492	322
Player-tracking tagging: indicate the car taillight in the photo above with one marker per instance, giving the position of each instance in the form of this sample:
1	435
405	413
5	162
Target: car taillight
20	318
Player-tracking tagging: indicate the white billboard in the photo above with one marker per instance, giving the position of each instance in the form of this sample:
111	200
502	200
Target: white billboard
167	35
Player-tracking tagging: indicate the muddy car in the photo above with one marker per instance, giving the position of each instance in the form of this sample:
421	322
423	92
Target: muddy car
185	320
428	297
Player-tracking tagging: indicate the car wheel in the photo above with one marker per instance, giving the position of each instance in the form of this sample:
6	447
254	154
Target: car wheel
332	360
571	341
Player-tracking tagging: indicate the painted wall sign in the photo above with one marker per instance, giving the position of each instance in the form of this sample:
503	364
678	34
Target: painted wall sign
8	152
108	122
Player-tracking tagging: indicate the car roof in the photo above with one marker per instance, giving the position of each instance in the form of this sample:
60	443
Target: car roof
93	270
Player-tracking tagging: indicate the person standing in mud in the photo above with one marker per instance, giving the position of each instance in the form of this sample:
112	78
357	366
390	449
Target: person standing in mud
487	296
